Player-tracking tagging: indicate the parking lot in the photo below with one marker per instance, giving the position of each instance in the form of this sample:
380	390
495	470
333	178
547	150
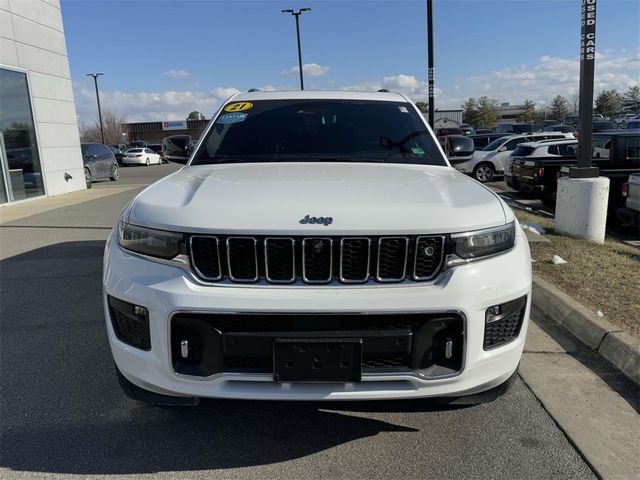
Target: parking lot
63	412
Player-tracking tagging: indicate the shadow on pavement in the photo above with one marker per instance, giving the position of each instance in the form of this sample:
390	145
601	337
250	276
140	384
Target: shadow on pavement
63	412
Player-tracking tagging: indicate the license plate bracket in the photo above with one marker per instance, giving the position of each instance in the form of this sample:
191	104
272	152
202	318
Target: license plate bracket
317	360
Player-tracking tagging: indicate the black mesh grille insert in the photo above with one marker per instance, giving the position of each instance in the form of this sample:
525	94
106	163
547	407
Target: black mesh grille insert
392	258
354	260
428	257
130	328
507	327
280	259
316	259
242	254
205	256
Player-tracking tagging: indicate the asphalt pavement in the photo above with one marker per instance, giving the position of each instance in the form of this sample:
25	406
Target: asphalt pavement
63	415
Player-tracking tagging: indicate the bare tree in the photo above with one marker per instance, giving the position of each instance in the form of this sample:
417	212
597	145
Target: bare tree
113	125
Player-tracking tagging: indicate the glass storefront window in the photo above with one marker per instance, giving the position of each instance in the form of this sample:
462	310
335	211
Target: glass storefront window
19	158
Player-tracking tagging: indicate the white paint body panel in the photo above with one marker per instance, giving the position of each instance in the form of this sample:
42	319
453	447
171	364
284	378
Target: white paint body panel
363	199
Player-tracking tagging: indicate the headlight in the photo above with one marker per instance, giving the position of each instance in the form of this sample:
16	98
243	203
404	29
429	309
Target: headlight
155	243
482	243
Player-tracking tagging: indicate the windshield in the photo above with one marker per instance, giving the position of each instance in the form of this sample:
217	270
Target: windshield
318	130
496	144
134	150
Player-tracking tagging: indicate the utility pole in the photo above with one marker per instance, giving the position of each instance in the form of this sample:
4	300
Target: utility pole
95	81
430	64
297	15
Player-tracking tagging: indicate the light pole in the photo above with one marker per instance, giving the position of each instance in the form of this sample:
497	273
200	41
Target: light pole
431	73
95	81
297	15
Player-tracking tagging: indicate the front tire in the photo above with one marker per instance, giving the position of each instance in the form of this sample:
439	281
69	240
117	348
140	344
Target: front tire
483	172
115	175
87	177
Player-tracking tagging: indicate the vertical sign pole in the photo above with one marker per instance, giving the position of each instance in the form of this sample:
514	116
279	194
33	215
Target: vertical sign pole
299	50
587	64
430	64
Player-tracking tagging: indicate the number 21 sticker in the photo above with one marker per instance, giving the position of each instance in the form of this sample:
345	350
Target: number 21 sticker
238	106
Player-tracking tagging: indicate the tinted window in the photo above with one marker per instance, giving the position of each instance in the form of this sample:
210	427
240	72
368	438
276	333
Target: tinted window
480	142
494	145
504	128
568	149
604	126
634	124
600	146
523	151
632	150
553	150
319	130
512	144
134	150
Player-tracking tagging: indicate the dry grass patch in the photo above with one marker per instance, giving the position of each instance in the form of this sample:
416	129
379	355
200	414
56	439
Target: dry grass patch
602	277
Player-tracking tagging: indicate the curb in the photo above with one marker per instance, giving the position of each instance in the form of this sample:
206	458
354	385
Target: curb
618	347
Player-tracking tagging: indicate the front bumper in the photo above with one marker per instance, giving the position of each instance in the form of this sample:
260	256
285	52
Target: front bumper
167	290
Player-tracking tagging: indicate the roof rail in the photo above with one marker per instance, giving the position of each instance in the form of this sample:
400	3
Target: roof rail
254	90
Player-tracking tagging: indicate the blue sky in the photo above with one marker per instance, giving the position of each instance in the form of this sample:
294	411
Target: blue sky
162	59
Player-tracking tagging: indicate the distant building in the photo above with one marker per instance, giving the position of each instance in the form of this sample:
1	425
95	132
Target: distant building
446	118
154	132
509	113
39	140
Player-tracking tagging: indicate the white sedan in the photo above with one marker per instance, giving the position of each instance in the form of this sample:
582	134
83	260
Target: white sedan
141	156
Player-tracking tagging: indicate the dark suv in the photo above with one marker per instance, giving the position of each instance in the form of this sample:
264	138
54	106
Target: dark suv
99	163
514	128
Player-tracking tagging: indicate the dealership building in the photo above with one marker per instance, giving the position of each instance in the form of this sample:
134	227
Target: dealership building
39	140
154	132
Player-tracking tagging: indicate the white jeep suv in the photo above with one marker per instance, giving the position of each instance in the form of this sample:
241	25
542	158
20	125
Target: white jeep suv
316	246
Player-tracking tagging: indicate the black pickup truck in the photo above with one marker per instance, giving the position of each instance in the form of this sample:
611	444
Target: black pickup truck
617	154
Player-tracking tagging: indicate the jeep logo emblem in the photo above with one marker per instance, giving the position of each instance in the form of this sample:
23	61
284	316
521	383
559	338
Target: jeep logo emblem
326	221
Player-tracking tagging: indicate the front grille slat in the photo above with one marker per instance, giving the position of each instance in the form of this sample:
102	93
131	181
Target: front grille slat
392	259
242	258
317	260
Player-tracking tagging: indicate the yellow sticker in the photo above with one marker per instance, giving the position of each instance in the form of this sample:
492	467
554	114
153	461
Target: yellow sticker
238	106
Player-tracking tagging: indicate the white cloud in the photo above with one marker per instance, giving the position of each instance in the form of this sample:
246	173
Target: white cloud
177	74
149	106
309	69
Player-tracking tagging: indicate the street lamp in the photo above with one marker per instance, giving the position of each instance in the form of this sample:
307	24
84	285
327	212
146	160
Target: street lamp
297	15
95	81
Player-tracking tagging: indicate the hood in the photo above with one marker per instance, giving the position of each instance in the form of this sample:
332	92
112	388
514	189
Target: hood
272	198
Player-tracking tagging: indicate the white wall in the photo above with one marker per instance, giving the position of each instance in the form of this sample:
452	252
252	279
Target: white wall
32	38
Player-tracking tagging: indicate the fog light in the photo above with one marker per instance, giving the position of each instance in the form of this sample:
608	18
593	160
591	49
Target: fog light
503	322
138	310
495	310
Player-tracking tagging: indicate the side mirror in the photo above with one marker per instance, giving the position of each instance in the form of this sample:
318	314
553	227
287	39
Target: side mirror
177	148
502	149
459	146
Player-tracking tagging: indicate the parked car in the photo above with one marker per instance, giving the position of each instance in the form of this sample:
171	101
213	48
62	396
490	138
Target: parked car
630	212
139	144
624	118
118	152
157	148
490	161
99	163
467	129
617	154
535	150
141	156
443	132
572	119
604	126
632	125
316	246
480	141
563	129
514	128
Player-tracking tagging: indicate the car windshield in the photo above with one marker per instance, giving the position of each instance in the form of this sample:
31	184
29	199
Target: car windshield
134	150
496	144
318	130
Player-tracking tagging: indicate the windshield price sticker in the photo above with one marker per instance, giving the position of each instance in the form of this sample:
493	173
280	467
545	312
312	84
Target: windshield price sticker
238	107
